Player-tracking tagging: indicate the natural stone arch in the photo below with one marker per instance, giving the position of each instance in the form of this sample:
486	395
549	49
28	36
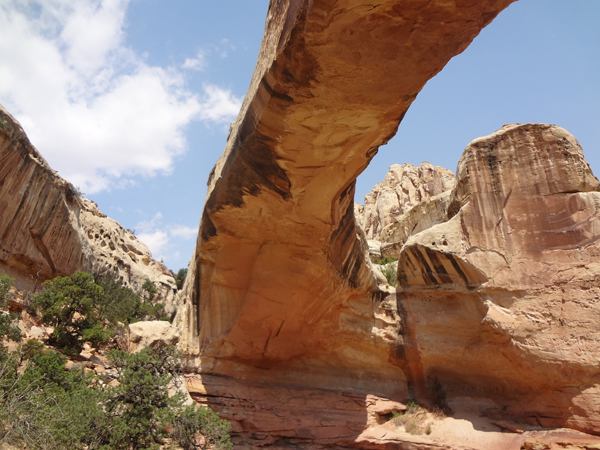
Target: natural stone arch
279	283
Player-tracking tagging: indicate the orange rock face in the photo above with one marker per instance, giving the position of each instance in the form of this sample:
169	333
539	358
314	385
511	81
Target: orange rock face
500	303
279	284
279	289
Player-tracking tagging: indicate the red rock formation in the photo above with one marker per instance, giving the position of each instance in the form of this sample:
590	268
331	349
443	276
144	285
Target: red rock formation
500	303
279	289
48	229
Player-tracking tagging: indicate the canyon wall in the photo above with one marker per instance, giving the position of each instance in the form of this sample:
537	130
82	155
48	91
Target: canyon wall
48	229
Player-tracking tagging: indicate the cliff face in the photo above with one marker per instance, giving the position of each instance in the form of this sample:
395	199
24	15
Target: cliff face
500	303
38	212
48	229
403	187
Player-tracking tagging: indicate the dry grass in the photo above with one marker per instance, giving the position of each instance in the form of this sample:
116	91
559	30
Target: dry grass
438	413
415	419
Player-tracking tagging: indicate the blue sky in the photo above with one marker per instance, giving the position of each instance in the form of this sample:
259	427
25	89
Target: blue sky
131	100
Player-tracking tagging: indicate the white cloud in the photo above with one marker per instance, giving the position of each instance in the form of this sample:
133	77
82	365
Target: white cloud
220	104
97	112
197	63
147	226
224	47
183	232
158	236
156	241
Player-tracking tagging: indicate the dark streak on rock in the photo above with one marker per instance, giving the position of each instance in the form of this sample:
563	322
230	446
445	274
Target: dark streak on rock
440	270
426	271
458	269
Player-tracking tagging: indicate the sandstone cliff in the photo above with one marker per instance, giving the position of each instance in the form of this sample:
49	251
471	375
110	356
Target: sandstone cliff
48	229
280	291
403	187
500	303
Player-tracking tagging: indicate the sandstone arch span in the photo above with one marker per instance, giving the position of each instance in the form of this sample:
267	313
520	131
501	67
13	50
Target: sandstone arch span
279	287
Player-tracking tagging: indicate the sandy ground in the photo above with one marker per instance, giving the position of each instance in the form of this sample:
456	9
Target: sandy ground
466	430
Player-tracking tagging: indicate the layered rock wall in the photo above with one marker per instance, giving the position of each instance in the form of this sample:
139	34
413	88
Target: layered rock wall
500	303
48	229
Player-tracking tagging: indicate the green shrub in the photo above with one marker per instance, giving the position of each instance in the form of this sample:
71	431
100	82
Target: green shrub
141	411
31	348
389	271
9	328
180	278
150	289
414	419
69	304
119	303
386	260
97	334
48	407
27	410
78	308
201	428
5	284
8	322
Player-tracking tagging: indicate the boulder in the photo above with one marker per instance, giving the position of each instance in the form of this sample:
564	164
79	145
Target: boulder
37	332
374	250
153	334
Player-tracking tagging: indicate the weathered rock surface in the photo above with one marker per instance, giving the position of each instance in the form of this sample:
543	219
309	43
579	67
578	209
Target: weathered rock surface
404	187
279	284
501	302
420	217
279	290
284	417
151	334
47	229
119	252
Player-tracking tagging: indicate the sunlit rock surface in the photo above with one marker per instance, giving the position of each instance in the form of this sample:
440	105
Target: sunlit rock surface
404	187
420	217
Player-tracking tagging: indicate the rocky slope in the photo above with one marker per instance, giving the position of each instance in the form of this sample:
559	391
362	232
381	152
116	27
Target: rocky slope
420	217
48	229
403	187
